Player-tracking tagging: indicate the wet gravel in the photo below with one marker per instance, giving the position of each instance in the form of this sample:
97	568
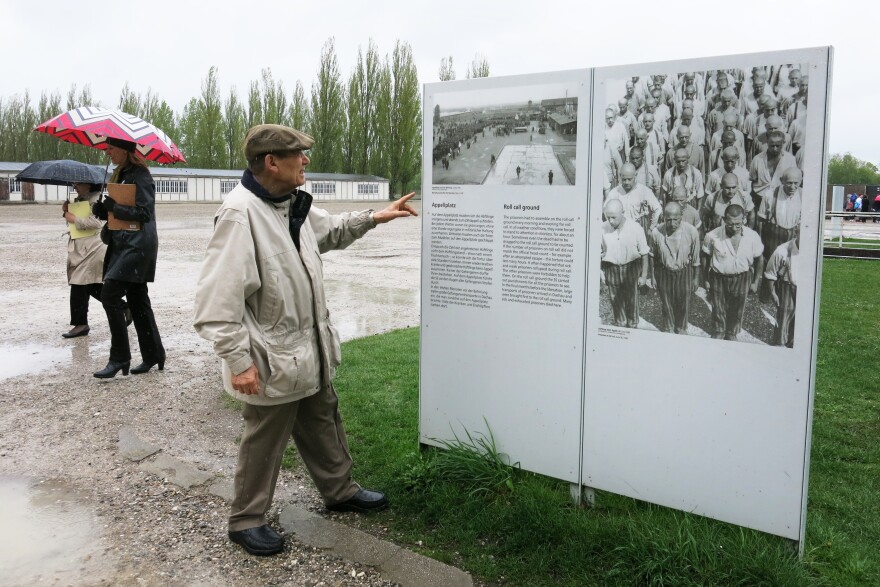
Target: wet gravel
58	422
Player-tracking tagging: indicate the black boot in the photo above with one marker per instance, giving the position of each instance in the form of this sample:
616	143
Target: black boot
112	369
81	330
147	365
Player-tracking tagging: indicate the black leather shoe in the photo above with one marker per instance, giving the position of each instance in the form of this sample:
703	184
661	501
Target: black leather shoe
261	541
112	369
81	330
147	365
363	501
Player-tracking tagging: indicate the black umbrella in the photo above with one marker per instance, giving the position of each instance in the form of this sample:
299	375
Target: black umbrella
63	172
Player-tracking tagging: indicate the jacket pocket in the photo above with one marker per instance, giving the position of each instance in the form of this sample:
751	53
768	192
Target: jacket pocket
293	368
334	350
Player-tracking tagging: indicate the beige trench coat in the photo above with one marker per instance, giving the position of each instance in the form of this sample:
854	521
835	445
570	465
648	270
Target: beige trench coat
85	256
261	302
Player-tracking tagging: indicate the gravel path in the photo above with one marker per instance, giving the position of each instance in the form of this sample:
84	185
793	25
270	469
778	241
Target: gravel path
59	426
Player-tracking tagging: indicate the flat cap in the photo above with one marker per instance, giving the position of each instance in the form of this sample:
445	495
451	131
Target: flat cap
274	138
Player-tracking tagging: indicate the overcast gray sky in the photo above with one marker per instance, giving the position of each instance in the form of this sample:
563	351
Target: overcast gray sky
169	46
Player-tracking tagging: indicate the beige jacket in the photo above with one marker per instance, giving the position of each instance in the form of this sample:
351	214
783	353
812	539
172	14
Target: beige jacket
261	302
85	256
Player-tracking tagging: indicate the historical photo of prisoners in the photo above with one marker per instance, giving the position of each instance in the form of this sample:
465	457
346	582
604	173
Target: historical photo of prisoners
702	202
523	135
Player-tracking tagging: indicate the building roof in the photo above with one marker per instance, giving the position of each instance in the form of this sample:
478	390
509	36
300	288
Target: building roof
562	118
166	172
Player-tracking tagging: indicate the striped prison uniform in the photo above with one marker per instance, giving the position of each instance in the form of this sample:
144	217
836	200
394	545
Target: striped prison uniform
782	269
729	276
676	257
622	252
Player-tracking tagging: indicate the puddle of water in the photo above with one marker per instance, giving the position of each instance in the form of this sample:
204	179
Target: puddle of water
48	535
29	358
378	309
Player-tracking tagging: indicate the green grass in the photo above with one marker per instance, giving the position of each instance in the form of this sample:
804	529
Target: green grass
511	527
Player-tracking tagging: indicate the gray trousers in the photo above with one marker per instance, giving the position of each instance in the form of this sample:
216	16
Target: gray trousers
320	439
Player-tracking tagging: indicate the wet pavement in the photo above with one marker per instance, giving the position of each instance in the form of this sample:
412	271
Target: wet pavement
49	533
86	500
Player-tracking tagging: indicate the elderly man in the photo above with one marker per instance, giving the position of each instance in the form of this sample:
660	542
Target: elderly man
782	273
675	250
732	264
730	163
683	174
260	300
639	203
694	151
729	192
767	168
624	257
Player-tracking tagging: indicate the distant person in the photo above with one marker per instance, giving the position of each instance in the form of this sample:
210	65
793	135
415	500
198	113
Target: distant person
130	264
624	255
518	171
550	176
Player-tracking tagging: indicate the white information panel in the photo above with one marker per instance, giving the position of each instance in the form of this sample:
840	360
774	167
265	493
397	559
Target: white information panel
503	263
702	400
660	346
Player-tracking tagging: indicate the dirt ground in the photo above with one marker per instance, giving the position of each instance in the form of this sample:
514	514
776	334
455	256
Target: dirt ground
110	523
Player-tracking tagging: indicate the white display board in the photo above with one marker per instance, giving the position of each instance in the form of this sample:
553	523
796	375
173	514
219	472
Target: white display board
503	265
712	418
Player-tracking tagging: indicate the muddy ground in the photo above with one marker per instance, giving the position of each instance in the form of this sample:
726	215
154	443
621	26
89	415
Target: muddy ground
75	511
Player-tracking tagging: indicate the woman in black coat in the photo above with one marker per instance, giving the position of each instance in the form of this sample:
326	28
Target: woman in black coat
130	263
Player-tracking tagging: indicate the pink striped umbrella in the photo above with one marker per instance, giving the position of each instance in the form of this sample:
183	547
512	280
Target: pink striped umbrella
92	126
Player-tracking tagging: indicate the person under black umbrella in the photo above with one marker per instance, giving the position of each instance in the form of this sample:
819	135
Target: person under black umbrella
85	260
130	264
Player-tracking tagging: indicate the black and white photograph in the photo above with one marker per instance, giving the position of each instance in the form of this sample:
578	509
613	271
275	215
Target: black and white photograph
702	181
524	135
